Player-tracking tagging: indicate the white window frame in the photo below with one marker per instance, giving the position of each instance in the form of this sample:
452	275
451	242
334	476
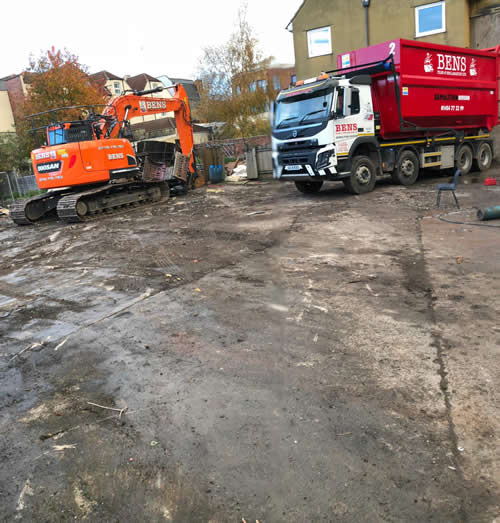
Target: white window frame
262	84
311	33
419	8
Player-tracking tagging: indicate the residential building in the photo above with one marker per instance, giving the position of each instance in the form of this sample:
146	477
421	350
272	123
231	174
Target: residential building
323	29
280	76
17	86
276	76
144	82
484	23
190	86
114	85
6	115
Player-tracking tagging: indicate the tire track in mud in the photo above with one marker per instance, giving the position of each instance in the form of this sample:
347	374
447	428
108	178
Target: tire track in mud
419	275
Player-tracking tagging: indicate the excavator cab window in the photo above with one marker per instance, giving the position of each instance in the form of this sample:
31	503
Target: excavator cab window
69	132
56	135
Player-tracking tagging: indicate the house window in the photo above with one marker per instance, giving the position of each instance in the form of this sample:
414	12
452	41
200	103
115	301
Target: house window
116	86
276	82
430	19
252	87
294	79
319	42
238	89
262	84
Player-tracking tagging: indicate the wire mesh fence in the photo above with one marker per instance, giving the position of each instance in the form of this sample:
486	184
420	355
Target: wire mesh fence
13	186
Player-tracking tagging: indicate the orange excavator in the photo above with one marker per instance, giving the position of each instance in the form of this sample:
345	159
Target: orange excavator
89	165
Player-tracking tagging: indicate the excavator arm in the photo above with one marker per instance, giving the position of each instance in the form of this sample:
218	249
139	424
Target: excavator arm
122	108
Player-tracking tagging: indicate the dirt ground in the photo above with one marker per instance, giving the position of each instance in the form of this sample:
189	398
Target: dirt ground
331	358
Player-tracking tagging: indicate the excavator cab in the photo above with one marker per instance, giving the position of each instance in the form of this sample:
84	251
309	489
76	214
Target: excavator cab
89	126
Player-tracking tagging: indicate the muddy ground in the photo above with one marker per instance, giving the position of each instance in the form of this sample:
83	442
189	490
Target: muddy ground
333	358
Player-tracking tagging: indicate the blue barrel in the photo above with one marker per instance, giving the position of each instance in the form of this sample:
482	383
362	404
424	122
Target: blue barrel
490	213
216	173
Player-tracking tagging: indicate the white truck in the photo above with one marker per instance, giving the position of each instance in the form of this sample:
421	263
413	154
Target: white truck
393	108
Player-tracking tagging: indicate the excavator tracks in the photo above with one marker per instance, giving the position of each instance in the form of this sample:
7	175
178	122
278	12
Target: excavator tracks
74	207
26	212
108	199
17	215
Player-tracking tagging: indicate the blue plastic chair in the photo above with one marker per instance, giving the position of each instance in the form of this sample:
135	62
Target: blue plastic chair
448	187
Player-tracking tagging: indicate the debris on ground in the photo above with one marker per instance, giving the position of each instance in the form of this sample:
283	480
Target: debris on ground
238	174
60	448
256	212
121	411
29	347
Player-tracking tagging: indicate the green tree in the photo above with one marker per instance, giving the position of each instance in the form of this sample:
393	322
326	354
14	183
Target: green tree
54	79
57	79
15	152
226	72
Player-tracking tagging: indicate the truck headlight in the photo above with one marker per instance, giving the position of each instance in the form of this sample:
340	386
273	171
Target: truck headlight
323	160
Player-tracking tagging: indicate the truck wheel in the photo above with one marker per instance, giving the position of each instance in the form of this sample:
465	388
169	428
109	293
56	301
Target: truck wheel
363	176
484	157
464	159
309	187
406	171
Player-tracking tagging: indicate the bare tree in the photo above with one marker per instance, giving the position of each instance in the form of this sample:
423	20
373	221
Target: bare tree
226	72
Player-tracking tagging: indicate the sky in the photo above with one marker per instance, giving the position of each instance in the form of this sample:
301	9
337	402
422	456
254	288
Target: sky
132	37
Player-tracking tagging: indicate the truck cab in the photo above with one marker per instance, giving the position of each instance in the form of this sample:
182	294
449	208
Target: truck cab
315	124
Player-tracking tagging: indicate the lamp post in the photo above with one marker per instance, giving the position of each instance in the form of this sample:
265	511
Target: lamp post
366	5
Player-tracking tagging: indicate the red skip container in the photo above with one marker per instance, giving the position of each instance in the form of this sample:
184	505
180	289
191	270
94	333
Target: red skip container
439	86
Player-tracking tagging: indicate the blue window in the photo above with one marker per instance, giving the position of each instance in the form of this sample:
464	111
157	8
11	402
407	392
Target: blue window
57	136
238	89
262	84
276	82
252	87
430	19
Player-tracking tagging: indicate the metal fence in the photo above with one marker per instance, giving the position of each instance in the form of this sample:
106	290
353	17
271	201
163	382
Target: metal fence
13	186
264	159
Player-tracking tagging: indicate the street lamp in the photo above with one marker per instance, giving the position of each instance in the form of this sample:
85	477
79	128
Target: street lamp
366	5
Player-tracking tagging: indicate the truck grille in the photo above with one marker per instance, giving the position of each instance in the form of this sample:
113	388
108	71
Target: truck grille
294	161
290	146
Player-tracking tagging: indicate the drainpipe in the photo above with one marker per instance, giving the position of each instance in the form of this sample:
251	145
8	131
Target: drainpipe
366	5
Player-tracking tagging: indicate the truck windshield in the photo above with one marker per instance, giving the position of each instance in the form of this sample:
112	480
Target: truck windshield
302	110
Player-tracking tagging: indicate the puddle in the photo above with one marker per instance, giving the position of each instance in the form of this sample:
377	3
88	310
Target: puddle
43	330
6	300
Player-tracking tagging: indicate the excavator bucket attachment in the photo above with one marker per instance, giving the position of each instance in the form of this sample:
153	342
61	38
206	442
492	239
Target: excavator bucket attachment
181	166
